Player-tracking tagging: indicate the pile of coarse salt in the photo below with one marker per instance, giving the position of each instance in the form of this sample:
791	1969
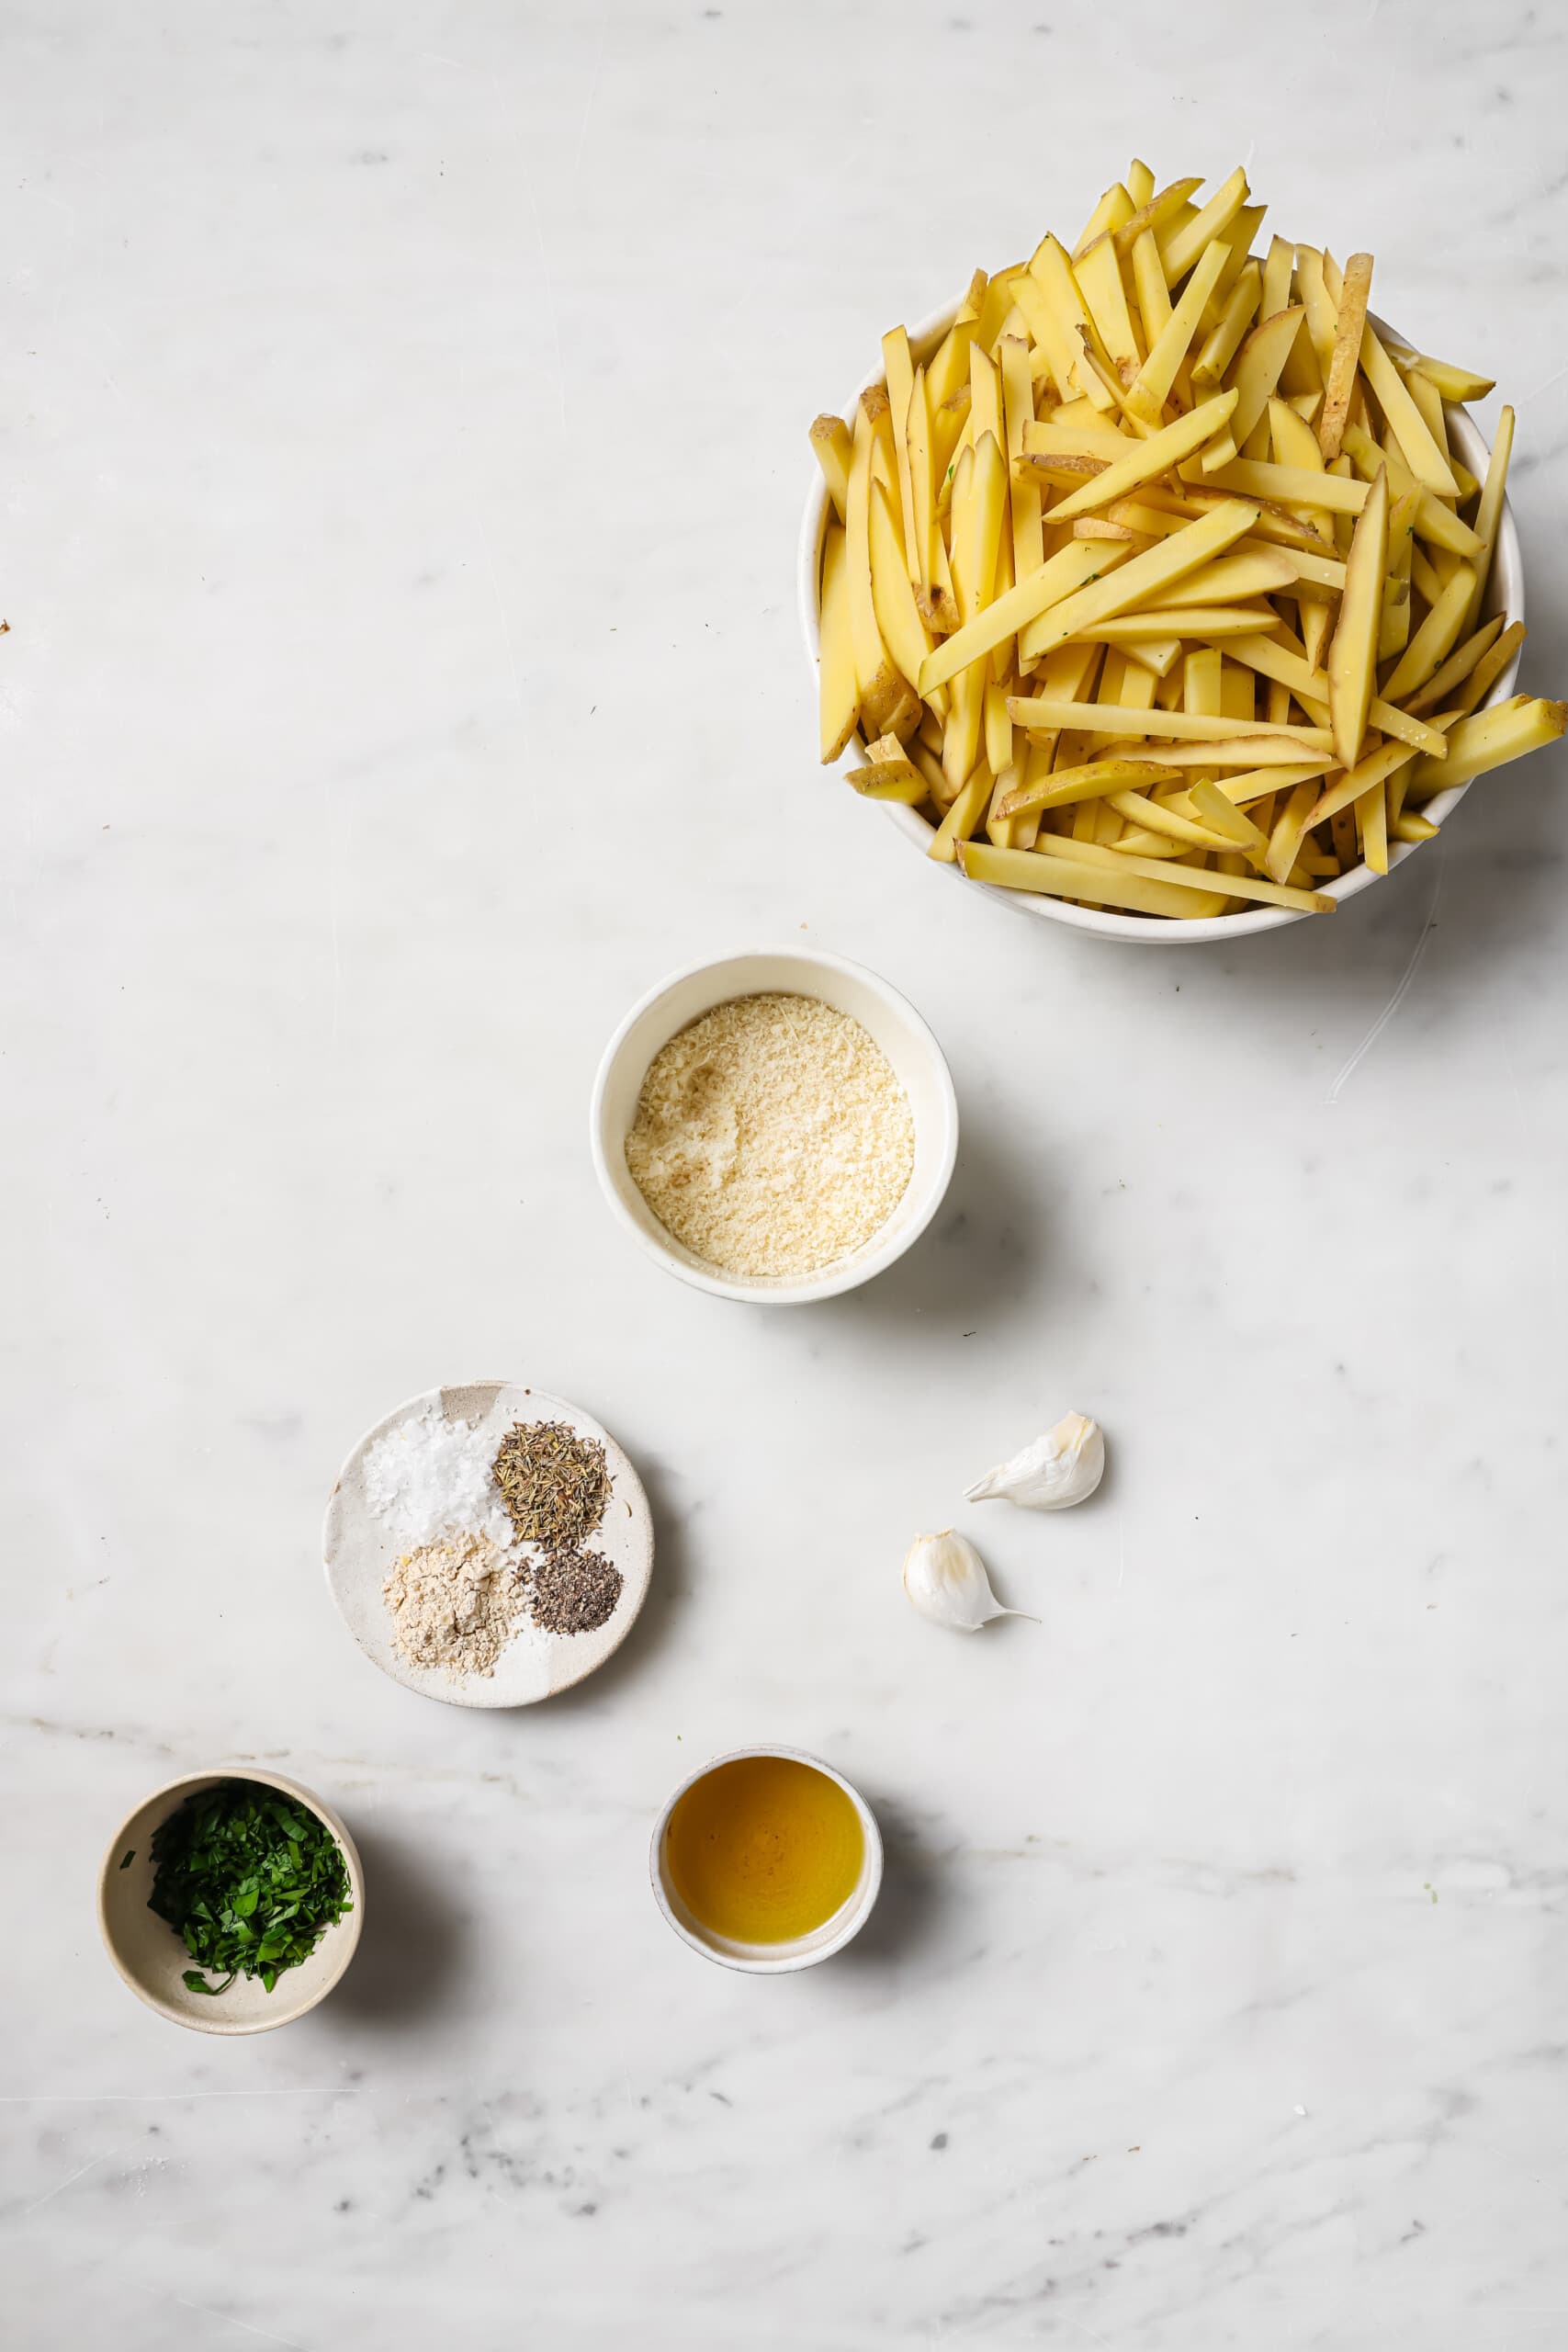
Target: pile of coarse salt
432	1477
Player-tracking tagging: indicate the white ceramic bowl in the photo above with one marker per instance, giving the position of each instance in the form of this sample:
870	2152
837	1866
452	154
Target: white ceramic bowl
917	1062
770	1960
1505	595
151	1958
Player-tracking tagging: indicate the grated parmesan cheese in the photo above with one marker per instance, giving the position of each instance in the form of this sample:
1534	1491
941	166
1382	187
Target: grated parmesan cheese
772	1136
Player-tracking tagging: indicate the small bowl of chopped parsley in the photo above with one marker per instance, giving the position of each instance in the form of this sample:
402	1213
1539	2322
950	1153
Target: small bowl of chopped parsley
231	1902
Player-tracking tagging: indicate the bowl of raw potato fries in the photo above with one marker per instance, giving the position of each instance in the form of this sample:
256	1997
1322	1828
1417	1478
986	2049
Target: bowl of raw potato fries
1161	588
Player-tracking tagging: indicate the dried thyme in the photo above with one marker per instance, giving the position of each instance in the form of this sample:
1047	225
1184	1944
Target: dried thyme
555	1485
572	1591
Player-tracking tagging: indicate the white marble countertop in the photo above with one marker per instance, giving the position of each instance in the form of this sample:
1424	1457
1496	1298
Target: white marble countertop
402	417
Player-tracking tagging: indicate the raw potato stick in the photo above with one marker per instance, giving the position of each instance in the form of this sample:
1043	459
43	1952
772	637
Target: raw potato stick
838	694
830	441
877	680
1463	661
1488	670
1091	781
1156	456
1422	454
1485	741
1071	879
1036	712
1070	568
901	386
1143	577
1353	651
1345	357
1488	514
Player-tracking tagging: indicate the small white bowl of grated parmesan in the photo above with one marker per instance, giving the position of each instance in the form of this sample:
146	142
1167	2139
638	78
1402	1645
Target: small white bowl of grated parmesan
776	1126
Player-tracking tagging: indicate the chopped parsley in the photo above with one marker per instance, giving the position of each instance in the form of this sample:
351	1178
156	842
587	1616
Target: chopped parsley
249	1879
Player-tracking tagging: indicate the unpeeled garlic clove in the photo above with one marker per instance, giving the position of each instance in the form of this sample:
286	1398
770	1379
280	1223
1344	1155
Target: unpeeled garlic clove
945	1578
1052	1473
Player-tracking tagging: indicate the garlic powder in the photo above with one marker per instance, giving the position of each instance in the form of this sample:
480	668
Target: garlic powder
772	1136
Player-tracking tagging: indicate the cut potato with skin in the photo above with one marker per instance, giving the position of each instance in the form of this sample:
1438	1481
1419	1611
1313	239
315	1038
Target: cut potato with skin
1421	453
962	817
1487	670
1220	813
1165	873
1138	581
1056	875
1070	568
1155	579
1489	511
1344	789
1467	658
1246	572
1224	337
1098	275
1151	386
1353	649
1159	209
1034	711
830	440
1435	638
1259	363
901	370
879	684
1176	622
840	696
1156	456
1244	751
1182	247
889	775
1456	384
1256	478
1050	272
892	599
1160	817
1491	738
1394	633
1339	382
1091	781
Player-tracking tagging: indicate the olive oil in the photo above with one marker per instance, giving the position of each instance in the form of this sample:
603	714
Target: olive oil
764	1850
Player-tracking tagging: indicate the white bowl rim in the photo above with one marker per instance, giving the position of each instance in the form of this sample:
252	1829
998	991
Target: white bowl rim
845	1274
789	1960
345	1932
1139	931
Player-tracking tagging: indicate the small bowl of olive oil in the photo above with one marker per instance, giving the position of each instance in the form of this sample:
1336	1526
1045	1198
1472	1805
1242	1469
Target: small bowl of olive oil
767	1860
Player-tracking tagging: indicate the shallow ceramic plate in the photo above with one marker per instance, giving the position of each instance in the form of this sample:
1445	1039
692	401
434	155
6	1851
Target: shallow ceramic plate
361	1549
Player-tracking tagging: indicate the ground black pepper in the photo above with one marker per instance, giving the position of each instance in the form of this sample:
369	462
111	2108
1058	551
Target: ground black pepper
572	1591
